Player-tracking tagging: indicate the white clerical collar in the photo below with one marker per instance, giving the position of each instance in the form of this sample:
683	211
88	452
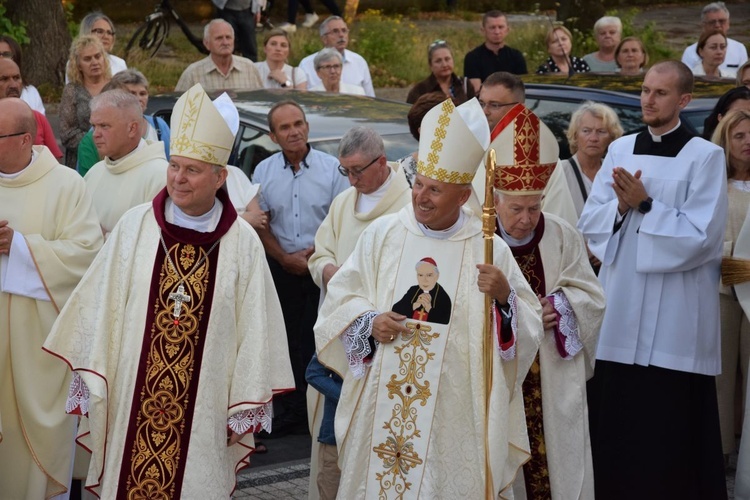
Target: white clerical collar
510	240
141	144
205	223
14	175
445	234
366	202
657	138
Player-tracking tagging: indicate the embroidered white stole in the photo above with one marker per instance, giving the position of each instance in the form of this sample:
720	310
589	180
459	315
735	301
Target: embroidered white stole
410	371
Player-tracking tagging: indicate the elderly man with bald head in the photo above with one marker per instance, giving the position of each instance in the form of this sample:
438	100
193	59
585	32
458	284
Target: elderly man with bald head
11	85
49	234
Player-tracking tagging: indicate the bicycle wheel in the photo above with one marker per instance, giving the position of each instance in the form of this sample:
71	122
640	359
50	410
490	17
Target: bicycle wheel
147	39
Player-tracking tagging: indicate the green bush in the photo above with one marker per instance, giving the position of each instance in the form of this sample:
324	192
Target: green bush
17	31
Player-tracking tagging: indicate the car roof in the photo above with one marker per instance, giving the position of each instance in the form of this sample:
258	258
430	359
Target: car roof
553	92
625	85
330	115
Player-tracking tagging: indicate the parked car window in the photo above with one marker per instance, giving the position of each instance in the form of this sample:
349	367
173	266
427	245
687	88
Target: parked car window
254	146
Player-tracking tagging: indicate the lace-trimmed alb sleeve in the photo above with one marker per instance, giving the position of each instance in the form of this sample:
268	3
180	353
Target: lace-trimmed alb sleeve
567	338
356	340
252	420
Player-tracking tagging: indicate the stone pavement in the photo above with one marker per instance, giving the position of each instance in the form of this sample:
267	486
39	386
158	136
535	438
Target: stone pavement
287	481
290	481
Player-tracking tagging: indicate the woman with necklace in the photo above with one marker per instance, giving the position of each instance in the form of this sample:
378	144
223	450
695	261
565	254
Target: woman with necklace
88	72
733	135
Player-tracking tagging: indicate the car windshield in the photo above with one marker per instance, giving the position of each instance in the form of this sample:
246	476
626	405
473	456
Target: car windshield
396	146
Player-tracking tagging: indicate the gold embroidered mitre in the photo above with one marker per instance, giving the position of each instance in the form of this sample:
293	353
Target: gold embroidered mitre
526	152
199	130
452	142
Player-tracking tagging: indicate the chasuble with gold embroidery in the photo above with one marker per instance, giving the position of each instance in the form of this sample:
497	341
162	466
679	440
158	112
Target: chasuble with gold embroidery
176	338
411	418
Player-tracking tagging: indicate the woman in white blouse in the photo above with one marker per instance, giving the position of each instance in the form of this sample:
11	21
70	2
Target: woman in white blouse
329	65
712	49
274	71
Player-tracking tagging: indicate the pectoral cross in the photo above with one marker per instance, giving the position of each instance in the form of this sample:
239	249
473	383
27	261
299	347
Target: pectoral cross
179	297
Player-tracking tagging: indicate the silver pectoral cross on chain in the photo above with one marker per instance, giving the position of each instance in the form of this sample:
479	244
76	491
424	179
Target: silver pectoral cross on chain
179	297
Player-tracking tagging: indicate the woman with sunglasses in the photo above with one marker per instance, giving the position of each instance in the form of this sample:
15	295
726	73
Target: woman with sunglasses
442	78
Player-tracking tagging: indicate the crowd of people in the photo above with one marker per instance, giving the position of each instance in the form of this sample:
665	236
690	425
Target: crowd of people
162	312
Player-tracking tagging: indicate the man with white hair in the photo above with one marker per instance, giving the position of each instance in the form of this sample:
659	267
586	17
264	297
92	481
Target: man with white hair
175	334
431	435
221	70
500	92
334	33
607	33
553	258
132	167
715	16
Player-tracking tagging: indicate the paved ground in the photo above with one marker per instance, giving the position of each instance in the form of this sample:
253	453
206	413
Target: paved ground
290	480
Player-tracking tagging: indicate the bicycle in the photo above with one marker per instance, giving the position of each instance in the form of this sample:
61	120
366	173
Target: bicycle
150	35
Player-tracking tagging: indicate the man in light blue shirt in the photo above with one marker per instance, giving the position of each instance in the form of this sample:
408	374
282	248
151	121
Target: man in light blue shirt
298	185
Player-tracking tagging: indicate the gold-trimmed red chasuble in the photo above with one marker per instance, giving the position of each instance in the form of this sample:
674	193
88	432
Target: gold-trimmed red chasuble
163	404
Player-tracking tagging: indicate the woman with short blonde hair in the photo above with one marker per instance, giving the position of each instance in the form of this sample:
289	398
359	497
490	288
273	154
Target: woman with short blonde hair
593	126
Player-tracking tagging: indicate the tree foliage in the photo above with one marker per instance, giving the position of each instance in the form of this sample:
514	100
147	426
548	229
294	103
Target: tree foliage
48	39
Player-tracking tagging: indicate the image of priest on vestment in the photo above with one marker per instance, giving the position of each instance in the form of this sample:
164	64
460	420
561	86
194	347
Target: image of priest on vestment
426	301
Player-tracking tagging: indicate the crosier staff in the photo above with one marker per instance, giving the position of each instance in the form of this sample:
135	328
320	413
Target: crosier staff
488	228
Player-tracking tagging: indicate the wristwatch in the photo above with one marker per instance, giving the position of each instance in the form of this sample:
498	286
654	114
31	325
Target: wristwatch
286	84
644	207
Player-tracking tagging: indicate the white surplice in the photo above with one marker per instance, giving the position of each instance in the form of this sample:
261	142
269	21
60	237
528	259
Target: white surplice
660	270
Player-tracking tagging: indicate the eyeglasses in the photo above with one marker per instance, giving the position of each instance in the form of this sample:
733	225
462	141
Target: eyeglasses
495	106
330	67
338	31
102	31
720	22
356	173
437	43
19	133
6	55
